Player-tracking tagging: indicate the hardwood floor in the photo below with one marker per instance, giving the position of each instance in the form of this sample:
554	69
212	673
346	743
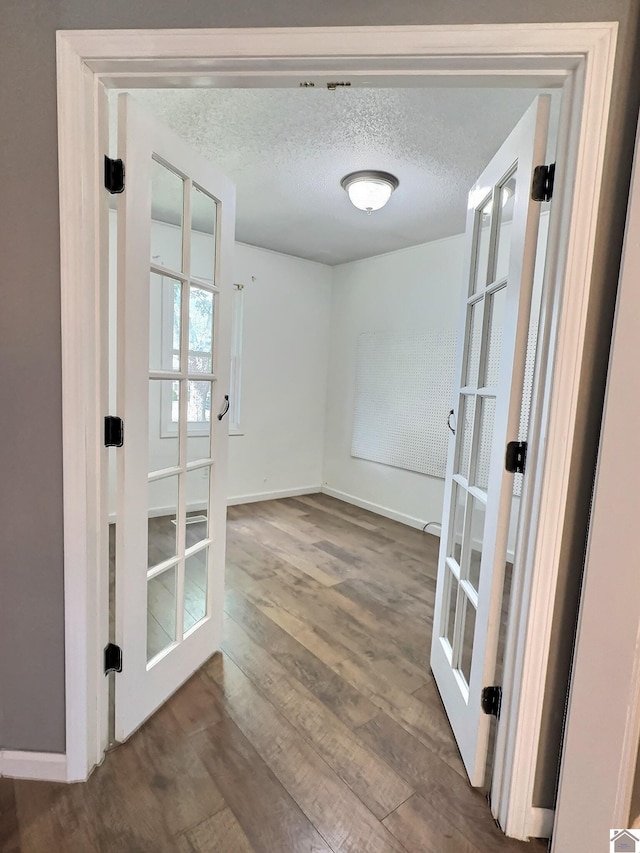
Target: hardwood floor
317	730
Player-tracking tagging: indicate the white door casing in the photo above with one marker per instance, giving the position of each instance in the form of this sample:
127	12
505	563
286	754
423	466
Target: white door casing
499	265
576	57
153	669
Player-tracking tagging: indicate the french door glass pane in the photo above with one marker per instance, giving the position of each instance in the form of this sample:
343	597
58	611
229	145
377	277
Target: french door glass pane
465	425
507	198
164	322
164	402
197	496
451	600
163	508
199	404
161	612
496	305
466	654
475	517
485	439
200	330
199	446
475	340
167	201
199	417
459	496
195	588
203	245
483	219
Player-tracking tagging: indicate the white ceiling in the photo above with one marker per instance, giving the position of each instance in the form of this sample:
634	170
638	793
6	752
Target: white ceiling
287	149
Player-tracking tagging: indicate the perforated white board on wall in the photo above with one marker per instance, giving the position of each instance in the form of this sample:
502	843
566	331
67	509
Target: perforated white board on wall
403	395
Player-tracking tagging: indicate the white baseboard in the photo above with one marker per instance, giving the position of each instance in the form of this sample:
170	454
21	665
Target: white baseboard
540	822
255	497
418	523
43	766
270	496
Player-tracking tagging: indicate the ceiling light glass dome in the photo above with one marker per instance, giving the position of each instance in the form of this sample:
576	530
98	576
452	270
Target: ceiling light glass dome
369	190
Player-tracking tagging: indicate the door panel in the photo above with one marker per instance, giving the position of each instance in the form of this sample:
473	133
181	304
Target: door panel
502	227
174	301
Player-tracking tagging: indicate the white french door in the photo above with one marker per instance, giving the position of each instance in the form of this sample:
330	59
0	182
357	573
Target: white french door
176	222
501	240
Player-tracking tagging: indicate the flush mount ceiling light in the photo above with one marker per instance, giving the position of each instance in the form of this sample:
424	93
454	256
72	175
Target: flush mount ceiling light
369	190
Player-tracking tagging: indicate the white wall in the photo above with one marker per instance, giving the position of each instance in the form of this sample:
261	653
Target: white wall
301	325
418	289
413	289
284	373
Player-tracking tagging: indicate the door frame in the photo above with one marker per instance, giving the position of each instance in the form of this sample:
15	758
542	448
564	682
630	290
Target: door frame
577	57
606	671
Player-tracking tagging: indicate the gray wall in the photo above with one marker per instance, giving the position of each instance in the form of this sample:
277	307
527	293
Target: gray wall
31	602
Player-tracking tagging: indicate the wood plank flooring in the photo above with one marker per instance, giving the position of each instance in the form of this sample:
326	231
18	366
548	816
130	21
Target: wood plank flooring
318	729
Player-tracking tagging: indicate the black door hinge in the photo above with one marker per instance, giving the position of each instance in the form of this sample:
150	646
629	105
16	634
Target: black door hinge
112	658
491	699
113	175
113	431
516	457
542	183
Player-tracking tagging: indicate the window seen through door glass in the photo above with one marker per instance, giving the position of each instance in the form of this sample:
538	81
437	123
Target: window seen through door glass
200	330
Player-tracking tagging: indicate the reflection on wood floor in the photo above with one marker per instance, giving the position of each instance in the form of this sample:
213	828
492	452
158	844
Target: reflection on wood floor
318	729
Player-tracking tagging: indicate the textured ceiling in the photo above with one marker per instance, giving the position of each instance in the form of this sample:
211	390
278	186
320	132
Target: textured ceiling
287	149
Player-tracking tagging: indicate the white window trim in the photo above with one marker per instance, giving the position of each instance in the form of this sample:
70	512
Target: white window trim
578	56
